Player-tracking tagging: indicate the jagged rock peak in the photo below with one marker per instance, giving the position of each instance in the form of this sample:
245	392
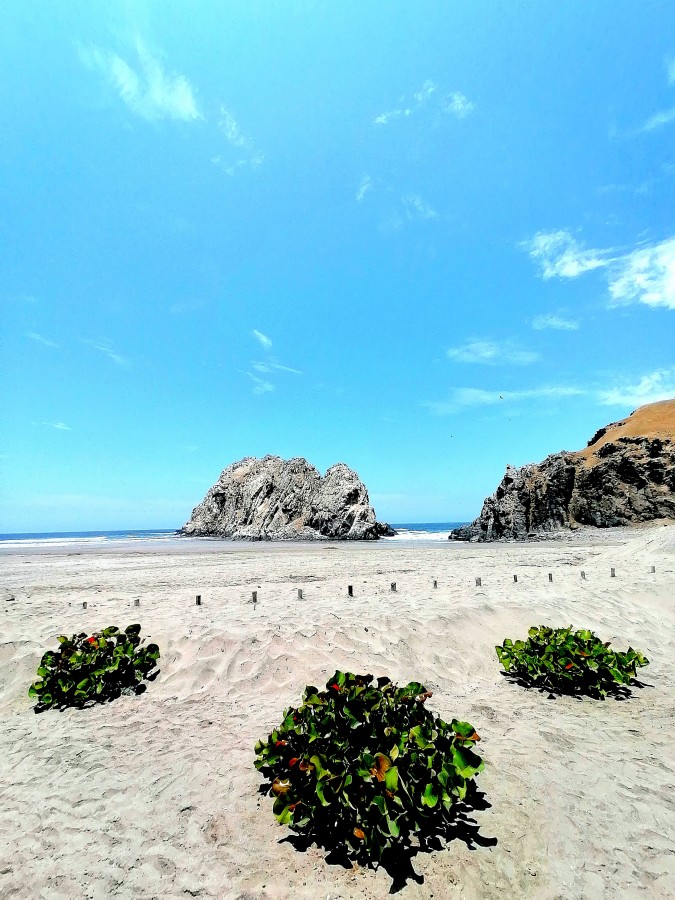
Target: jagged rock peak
625	475
286	500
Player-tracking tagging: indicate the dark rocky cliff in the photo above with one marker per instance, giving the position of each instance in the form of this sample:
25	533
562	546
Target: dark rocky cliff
625	475
282	500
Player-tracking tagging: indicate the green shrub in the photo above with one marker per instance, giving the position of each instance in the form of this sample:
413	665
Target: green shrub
570	662
93	667
364	767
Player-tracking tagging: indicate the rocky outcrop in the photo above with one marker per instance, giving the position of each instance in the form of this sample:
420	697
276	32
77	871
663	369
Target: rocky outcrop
625	475
286	500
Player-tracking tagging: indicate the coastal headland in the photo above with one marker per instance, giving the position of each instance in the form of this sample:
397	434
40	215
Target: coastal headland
156	795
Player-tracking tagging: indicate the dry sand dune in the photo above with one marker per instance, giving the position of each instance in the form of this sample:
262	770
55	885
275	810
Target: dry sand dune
156	796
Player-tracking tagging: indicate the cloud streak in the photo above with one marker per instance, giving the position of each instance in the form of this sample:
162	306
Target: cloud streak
461	398
106	350
648	388
39	339
260	385
262	339
428	96
146	88
492	353
557	323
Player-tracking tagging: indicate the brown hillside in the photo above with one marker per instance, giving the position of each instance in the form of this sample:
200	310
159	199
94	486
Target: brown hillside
655	420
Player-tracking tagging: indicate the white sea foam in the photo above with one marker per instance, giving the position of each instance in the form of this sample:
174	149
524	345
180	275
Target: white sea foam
407	534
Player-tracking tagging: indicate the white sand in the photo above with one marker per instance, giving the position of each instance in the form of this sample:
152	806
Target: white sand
156	796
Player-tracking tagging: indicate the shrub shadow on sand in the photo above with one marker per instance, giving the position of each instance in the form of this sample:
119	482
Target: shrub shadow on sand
615	692
398	861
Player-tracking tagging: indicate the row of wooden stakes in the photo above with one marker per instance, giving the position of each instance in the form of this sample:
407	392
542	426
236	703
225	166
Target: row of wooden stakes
393	588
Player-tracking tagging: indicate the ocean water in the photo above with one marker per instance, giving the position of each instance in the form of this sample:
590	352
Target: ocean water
58	537
409	531
423	531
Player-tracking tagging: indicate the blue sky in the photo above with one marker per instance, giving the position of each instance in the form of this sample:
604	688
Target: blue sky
425	239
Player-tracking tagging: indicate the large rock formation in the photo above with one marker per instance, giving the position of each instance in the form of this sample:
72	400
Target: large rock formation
286	500
625	475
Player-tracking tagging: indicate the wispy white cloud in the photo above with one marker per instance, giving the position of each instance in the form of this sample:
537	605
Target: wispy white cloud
260	385
243	163
230	128
428	96
664	116
647	275
386	117
39	339
670	70
657	385
559	255
107	350
268	367
425	92
459	105
659	119
59	426
558	323
247	158
643	275
365	186
491	353
461	398
262	339
144	85
418	208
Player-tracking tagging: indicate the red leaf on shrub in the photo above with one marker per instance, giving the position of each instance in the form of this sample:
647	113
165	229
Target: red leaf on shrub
359	833
91	640
569	666
281	743
336	687
292	762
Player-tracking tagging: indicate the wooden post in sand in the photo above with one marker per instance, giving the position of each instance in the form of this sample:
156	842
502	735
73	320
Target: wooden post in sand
653	569
515	579
198	600
300	594
478	582
612	573
435	583
583	575
350	590
550	576
393	586
84	605
137	601
254	596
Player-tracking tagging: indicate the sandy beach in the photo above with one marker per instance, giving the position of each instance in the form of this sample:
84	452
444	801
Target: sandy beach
156	796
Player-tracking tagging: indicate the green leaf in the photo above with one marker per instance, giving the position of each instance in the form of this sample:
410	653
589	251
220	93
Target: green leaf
430	796
391	779
392	824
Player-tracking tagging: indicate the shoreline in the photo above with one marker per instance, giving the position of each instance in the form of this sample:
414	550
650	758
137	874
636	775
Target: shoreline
175	543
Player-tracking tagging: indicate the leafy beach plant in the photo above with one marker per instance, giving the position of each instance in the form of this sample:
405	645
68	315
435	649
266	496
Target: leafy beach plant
95	667
364	767
564	661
